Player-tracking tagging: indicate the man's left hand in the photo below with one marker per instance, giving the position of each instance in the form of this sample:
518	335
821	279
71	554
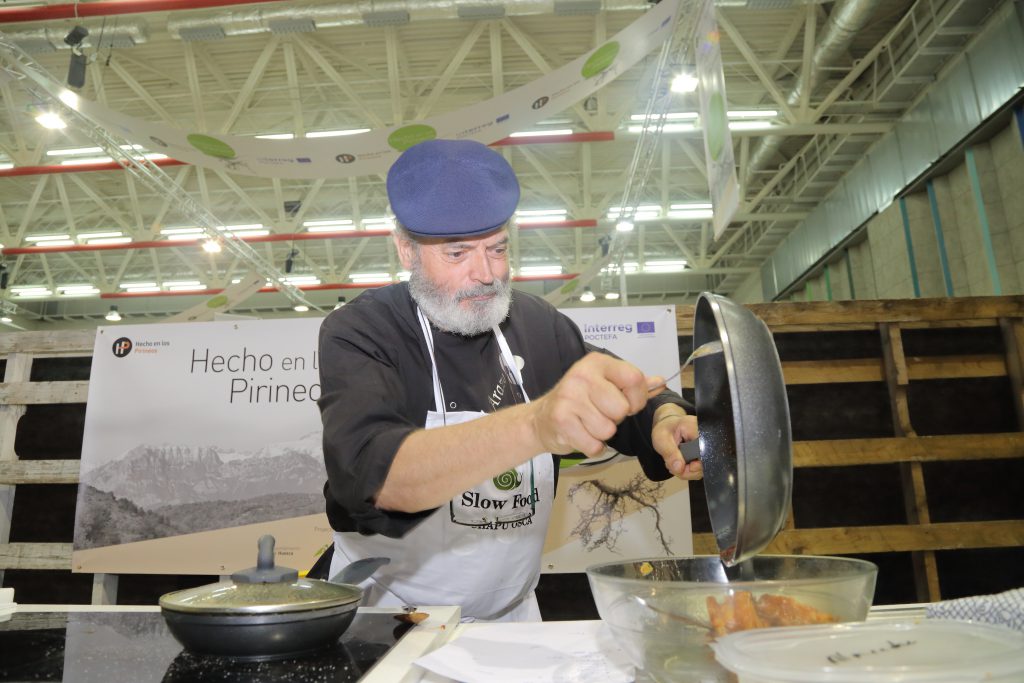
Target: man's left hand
672	426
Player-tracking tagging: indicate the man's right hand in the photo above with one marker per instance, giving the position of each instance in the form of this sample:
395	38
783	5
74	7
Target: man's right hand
584	409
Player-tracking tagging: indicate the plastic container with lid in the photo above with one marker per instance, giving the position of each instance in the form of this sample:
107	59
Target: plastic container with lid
936	651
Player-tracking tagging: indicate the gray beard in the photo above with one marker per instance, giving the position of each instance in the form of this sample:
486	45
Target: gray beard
448	313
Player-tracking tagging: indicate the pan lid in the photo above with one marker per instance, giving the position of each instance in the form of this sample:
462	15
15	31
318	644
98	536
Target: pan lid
263	589
743	428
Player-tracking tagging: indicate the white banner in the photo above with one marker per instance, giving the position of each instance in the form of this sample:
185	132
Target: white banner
714	117
610	511
201	437
373	152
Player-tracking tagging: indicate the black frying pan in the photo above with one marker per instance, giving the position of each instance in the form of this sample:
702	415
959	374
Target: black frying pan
266	612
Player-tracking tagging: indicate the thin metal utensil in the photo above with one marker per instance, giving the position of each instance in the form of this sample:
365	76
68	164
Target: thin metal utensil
705	349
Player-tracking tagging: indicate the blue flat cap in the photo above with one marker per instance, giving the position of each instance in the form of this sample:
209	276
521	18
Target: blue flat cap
452	188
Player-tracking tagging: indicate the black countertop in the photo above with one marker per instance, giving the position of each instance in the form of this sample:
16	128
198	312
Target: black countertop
136	647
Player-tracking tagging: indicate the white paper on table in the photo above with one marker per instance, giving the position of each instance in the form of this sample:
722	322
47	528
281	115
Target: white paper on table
536	652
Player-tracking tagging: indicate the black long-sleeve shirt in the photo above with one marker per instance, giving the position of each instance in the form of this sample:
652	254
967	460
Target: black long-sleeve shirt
375	374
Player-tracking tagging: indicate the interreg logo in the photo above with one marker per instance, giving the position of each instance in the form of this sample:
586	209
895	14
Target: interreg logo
122	347
645	328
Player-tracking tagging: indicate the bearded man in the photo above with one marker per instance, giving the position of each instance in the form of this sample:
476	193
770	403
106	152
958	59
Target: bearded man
446	401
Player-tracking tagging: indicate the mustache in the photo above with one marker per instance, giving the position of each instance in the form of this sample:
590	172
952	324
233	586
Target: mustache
496	287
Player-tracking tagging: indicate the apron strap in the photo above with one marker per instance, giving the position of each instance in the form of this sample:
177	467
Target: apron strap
439	405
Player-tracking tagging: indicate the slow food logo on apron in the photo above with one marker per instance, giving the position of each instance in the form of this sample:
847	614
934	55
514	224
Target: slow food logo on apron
507	501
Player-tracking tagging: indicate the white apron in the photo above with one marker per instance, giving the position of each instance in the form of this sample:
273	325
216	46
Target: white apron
482	551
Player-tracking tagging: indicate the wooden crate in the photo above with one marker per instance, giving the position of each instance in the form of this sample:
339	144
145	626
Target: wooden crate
917	534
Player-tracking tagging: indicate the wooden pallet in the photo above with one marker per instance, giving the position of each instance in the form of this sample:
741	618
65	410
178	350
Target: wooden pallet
919	535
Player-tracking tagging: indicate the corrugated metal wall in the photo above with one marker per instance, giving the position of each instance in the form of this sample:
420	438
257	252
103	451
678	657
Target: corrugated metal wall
989	75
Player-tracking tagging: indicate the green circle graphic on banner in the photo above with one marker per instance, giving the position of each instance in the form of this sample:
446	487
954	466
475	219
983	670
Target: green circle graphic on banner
717	128
407	136
602	58
217	301
211	146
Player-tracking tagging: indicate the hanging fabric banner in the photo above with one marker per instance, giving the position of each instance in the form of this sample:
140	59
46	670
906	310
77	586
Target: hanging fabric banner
714	117
373	152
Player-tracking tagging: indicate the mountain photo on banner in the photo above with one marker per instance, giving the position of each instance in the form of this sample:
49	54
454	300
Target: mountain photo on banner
153	491
197	427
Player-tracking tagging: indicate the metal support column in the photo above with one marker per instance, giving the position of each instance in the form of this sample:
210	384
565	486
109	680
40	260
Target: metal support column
910	247
940	240
986	232
849	273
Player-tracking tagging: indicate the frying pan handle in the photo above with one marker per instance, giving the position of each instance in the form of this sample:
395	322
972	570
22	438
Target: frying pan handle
690	450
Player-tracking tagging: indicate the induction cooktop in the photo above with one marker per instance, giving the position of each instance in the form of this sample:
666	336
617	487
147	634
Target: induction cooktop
136	647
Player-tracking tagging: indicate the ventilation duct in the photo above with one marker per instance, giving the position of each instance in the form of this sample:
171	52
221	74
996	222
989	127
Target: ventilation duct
257	19
847	19
40	40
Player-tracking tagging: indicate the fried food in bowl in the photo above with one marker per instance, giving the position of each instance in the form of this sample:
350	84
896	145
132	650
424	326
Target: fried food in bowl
666	611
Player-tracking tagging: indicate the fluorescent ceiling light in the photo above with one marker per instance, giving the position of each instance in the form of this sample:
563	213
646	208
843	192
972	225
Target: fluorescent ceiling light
51	120
690	205
541	133
364	278
404	275
5	165
142	290
336	133
624	226
693	214
73	151
753	114
212	246
248	233
327	221
542	212
187	288
137	285
181	283
302	280
552	269
110	240
181	231
337	227
684	83
184	237
611	296
154	156
379	223
77	290
45	238
5	319
301	308
86	160
675	266
750	125
587	296
276	136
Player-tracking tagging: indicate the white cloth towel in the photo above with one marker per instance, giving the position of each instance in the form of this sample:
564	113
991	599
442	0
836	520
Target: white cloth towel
1004	609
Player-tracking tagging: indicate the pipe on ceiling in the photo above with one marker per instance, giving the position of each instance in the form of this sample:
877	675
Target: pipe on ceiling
846	20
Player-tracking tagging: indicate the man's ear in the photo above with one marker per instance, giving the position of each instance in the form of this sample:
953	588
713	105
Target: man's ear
405	250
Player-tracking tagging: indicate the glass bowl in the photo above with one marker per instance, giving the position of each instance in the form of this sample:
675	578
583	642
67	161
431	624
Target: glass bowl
666	611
